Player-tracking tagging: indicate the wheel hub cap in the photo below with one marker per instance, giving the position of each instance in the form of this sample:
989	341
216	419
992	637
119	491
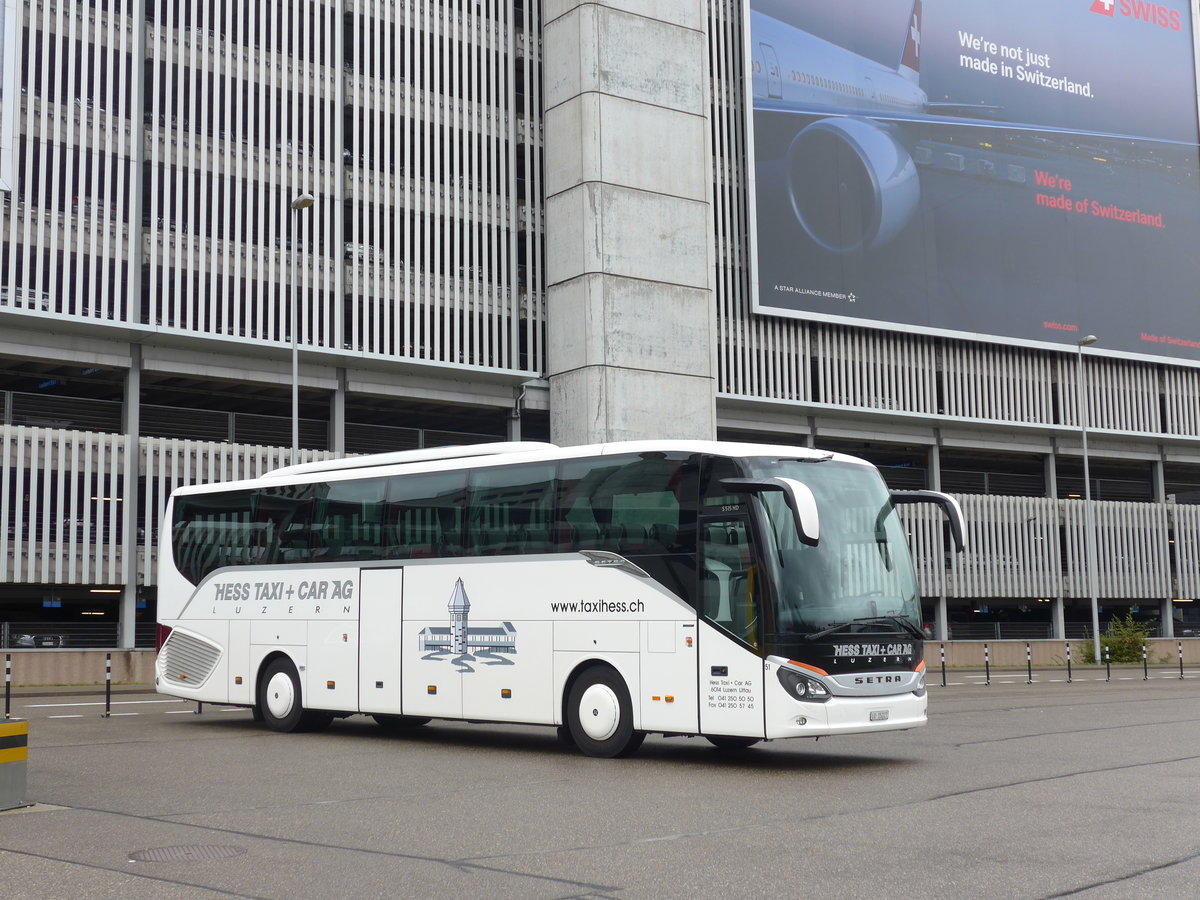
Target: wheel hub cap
280	695
599	712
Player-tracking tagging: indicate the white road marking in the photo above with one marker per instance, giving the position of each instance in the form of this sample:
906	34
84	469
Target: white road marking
99	703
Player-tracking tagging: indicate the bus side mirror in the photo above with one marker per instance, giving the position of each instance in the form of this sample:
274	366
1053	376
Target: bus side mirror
798	496
949	505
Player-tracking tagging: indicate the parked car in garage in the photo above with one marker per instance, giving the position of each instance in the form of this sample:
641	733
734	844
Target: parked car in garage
39	640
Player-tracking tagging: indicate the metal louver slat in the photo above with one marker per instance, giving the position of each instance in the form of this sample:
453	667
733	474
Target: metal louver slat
188	660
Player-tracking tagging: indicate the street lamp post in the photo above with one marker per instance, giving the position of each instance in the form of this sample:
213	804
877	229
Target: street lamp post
304	201
1089	549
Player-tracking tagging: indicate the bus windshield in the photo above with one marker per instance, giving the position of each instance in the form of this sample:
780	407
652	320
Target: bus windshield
860	576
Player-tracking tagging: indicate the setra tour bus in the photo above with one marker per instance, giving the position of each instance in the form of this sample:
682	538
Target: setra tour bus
735	591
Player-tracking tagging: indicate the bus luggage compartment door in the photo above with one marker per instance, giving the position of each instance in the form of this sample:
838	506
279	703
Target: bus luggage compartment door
437	628
380	594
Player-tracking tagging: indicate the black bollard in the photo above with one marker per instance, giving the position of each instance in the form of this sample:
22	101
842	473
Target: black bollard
1145	665
1180	660
987	666
1107	665
8	685
1028	663
1068	662
107	685
943	665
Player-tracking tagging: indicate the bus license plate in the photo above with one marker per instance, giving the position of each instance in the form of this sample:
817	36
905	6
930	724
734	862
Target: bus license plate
879	715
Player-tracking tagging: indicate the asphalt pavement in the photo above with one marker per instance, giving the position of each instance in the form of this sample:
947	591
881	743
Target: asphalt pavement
1055	789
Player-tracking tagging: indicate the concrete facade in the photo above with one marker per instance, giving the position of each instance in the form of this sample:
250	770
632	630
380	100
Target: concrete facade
529	219
629	222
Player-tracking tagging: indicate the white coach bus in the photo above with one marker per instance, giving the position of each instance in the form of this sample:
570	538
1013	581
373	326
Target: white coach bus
734	591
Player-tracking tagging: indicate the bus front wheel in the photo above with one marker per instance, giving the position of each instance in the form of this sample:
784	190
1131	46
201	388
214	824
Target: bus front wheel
600	714
279	700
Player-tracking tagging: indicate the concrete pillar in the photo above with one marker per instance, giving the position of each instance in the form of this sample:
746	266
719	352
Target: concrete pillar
513	431
1158	481
130	504
629	226
1058	622
1166	615
1050	463
942	620
337	415
933	479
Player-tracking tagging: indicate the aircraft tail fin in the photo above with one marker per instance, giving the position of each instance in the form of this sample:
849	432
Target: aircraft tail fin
910	60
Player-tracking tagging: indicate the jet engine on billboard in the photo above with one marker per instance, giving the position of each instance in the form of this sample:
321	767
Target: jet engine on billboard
834	159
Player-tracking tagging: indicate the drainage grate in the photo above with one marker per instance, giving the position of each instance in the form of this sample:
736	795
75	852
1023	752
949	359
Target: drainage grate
189	853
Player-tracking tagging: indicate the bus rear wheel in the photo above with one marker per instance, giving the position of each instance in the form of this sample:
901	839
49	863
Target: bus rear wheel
600	714
279	700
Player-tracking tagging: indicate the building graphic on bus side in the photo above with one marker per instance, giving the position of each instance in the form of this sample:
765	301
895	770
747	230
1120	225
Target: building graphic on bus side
461	639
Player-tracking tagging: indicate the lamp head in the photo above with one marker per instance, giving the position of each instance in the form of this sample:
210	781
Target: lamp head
304	201
1087	341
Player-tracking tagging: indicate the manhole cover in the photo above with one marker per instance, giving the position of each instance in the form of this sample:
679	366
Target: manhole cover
188	853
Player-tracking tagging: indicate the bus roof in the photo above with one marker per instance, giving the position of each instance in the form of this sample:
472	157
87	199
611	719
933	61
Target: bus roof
401	457
515	451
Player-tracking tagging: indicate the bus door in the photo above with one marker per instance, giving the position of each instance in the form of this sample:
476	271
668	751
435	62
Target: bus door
380	603
731	668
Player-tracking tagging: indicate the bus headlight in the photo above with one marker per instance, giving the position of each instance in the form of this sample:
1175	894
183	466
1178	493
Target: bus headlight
802	687
919	690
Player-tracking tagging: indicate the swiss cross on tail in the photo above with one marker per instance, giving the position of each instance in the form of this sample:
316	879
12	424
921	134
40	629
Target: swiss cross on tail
1104	7
910	61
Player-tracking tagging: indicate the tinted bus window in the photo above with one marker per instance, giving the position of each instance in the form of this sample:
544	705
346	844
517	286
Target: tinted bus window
348	520
631	504
241	528
206	530
286	511
512	509
424	516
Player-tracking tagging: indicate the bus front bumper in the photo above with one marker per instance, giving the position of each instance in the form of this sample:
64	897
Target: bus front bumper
850	715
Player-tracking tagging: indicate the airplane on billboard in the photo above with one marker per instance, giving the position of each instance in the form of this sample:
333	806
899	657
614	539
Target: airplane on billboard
848	166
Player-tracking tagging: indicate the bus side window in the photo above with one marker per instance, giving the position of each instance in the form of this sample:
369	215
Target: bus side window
578	520
215	530
284	514
293	544
635	504
426	514
511	509
346	521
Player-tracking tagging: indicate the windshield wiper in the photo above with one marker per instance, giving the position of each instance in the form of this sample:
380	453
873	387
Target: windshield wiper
817	635
904	624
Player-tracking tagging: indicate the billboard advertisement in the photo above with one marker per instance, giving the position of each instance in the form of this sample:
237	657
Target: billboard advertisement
1026	171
